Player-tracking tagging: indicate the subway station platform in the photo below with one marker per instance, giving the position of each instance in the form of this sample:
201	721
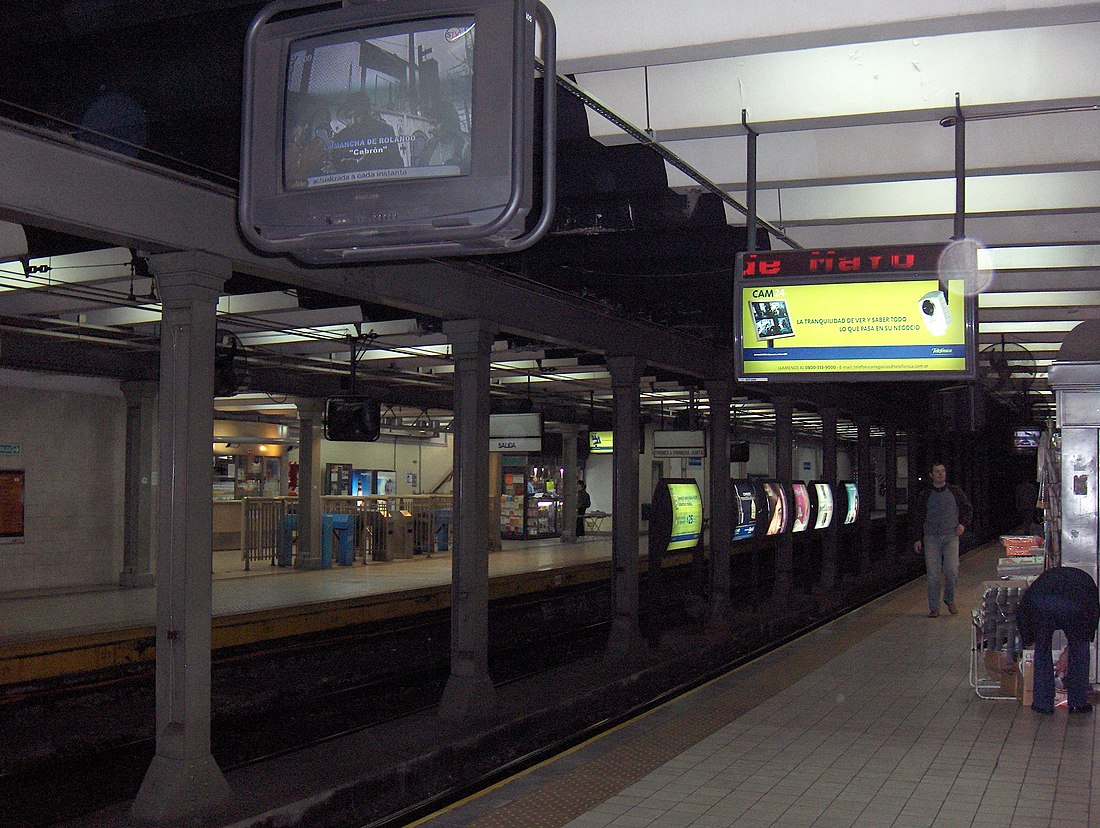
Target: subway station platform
869	721
58	633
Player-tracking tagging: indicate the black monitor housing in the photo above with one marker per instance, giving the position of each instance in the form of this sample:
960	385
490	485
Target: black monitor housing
379	130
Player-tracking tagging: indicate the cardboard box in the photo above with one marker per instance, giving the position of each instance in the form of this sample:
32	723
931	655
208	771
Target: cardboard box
1021	546
1025	678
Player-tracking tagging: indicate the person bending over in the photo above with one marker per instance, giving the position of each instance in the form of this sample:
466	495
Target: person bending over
1062	598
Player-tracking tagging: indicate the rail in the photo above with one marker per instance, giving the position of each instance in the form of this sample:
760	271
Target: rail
384	527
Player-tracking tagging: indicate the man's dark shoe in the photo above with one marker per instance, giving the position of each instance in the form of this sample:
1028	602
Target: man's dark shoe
1046	711
951	608
933	613
1081	708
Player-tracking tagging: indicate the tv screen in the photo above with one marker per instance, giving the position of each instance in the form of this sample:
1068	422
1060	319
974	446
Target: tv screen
801	520
852	494
778	509
358	110
352	419
739	451
1026	440
902	312
823	494
601	442
390	130
745	509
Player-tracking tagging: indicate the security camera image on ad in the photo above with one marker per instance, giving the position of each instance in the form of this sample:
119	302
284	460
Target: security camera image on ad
771	319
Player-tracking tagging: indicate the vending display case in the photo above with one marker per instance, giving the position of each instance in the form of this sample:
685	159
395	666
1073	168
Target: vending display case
529	504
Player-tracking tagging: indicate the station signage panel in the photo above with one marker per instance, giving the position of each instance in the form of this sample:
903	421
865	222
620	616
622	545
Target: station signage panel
856	314
515	432
679	444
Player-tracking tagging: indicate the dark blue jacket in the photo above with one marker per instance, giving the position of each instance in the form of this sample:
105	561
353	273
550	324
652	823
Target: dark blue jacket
1076	586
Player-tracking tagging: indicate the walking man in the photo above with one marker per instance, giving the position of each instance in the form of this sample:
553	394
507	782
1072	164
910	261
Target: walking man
942	513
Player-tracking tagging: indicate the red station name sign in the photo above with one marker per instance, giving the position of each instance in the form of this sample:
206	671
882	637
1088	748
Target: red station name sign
921	258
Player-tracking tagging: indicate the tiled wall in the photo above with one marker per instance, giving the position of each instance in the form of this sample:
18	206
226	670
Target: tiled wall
71	435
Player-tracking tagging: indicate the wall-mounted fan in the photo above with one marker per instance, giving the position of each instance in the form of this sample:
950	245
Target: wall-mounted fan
1008	372
230	364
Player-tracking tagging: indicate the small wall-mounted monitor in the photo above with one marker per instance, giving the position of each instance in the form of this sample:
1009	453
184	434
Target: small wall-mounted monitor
822	494
848	495
371	127
779	512
746	509
1026	440
801	499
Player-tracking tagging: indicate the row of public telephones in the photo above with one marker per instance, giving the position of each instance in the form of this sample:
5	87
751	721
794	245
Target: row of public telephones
769	507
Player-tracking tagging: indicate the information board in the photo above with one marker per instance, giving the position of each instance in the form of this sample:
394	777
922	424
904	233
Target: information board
868	313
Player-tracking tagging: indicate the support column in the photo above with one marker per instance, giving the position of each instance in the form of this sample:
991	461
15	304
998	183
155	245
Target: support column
891	482
865	485
625	640
784	453
569	482
829	572
720	611
311	414
183	778
137	551
470	691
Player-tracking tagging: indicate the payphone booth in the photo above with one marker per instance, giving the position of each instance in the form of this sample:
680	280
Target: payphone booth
1075	379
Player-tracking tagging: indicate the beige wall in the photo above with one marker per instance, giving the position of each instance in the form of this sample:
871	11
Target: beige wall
430	460
72	438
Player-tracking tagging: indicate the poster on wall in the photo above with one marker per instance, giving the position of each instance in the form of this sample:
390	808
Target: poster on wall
12	489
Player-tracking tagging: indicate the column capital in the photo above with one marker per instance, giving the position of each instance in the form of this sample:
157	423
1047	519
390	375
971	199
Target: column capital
138	391
469	337
190	275
309	407
625	369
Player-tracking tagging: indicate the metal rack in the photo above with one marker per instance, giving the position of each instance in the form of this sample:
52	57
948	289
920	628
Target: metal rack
993	635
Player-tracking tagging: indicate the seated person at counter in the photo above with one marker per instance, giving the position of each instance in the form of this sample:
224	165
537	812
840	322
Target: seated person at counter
1062	598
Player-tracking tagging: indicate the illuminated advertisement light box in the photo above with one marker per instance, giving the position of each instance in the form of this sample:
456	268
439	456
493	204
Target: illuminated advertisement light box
853	503
870	314
801	507
824	495
778	509
687	515
744	512
601	442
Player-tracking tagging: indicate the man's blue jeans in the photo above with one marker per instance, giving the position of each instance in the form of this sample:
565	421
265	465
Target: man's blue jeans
941	558
1053	613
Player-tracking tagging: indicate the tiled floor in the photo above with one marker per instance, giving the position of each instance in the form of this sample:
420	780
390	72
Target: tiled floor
870	721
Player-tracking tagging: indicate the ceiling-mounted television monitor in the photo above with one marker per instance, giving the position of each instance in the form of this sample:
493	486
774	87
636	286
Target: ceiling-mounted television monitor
850	494
376	130
352	418
1026	440
874	313
800	518
822	494
778	509
601	442
746	509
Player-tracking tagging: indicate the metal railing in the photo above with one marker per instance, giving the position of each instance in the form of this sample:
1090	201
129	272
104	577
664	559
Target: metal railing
384	526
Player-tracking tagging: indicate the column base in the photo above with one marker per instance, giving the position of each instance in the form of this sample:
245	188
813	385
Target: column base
625	643
719	623
468	697
177	788
135	580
